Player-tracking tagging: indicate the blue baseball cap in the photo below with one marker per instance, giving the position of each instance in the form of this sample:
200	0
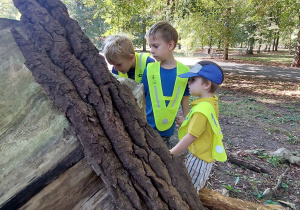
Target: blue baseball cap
207	69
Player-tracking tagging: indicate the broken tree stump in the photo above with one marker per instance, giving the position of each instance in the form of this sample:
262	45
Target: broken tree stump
37	143
120	146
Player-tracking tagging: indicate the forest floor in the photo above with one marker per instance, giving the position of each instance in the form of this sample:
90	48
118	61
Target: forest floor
259	115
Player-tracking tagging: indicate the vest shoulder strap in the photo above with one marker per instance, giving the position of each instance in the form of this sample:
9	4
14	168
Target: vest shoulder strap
164	116
140	65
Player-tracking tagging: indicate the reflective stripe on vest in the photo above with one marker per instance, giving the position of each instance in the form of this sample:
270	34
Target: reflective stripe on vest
218	152
164	116
140	65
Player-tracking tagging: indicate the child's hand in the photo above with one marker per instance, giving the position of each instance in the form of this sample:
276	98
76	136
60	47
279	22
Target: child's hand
179	120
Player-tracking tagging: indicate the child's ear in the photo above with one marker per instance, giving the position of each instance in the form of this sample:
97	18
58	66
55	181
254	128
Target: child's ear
172	45
207	85
132	57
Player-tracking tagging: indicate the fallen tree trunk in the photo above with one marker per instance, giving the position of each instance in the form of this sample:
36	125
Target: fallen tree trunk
120	146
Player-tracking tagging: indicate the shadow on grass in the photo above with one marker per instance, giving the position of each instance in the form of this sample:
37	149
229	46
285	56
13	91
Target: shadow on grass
263	87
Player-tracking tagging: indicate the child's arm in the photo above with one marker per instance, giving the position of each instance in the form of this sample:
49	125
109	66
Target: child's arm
183	144
185	104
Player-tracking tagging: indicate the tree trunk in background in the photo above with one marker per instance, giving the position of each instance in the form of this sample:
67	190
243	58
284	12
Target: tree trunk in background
209	46
144	33
259	45
120	146
227	33
276	42
250	46
296	61
219	44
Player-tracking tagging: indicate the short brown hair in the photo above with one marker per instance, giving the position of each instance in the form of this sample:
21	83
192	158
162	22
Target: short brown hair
164	30
213	86
116	47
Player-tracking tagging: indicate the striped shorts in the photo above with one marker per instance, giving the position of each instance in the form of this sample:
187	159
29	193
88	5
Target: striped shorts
199	170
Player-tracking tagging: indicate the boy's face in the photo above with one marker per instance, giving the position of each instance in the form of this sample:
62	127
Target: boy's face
123	65
197	87
159	48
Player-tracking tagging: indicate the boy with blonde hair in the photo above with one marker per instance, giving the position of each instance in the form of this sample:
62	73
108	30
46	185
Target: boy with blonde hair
201	132
164	90
119	52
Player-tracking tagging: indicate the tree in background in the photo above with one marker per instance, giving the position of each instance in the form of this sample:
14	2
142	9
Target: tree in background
213	22
127	17
200	23
8	10
296	61
89	17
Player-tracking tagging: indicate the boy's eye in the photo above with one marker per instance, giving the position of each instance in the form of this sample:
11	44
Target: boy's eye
155	46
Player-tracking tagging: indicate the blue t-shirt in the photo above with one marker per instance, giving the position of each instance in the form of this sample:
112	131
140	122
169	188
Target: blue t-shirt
168	77
131	72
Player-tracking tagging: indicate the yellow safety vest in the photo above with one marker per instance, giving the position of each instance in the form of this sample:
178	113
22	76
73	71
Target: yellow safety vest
218	152
140	65
164	116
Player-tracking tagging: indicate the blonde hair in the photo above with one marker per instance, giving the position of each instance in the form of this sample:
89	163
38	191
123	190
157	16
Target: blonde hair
116	47
164	30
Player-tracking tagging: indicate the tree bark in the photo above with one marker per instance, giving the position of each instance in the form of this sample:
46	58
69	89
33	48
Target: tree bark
144	33
227	33
277	42
118	143
296	61
251	46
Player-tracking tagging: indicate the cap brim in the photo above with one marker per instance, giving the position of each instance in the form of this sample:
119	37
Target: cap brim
188	75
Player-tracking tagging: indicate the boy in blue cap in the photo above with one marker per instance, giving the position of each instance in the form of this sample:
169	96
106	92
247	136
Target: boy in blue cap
201	132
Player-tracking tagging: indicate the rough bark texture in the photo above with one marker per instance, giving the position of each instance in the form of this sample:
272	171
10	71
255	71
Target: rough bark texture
121	147
296	61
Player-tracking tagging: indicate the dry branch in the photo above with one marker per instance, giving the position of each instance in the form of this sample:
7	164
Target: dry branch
233	158
213	200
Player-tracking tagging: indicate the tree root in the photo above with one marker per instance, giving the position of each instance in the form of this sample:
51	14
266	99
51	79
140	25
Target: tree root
282	153
272	192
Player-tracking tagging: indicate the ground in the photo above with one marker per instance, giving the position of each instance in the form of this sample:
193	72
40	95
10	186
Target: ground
261	115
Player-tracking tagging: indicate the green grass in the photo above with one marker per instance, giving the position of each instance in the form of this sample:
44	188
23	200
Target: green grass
269	59
280	57
281	119
251	108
